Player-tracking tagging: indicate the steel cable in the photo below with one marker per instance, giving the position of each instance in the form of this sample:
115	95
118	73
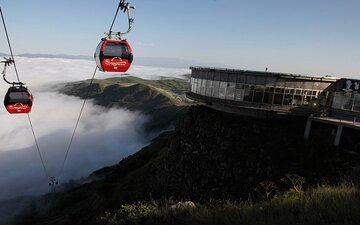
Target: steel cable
77	122
112	24
17	75
8	41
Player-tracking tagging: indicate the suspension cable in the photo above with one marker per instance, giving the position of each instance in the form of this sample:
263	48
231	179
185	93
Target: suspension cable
117	11
82	107
8	41
88	92
77	122
17	75
37	146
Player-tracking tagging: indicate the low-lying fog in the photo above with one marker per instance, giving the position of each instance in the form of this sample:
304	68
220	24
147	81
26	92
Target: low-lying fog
103	137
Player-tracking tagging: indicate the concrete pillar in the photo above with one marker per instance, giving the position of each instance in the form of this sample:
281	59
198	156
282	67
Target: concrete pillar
338	135
307	128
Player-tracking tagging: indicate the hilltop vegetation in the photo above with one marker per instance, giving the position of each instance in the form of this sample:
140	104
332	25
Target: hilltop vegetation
335	205
162	100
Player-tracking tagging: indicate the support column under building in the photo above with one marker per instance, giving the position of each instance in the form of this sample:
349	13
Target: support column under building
307	128
338	135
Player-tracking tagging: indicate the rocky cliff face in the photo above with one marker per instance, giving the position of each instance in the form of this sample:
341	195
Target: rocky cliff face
219	155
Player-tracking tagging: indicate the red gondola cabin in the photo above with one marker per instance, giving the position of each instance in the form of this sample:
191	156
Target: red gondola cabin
18	99
113	55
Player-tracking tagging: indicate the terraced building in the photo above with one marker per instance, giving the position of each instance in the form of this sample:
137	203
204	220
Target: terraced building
269	94
278	92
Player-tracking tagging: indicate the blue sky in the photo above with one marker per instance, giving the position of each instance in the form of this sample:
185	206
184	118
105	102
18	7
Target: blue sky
310	37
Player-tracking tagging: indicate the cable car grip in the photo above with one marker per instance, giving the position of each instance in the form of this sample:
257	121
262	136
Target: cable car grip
7	62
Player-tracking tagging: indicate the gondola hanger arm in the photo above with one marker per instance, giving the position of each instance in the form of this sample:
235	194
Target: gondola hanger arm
125	7
7	62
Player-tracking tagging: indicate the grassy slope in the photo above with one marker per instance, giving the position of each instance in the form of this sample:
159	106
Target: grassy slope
160	99
322	205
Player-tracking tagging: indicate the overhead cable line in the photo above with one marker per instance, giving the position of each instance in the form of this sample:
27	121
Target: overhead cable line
112	24
77	122
18	78
123	6
37	146
8	41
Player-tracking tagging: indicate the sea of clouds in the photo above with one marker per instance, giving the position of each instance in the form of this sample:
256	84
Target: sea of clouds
103	137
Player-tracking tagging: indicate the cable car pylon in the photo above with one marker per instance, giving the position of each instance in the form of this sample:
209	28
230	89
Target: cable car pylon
52	184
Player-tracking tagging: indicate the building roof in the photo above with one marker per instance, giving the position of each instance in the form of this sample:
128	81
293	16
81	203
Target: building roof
264	73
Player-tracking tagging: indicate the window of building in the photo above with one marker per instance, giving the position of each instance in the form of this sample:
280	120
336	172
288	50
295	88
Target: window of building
230	91
209	87
248	93
239	94
306	97
288	97
215	92
196	86
259	93
342	100
192	84
278	96
356	106
298	91
222	90
268	95
298	97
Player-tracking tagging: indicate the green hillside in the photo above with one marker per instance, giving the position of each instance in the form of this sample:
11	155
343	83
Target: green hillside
337	205
162	100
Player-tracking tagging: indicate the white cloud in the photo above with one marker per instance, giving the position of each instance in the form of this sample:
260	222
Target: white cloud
103	137
40	73
152	73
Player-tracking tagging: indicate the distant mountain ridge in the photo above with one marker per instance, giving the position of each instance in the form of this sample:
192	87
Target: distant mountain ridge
142	61
61	56
162	100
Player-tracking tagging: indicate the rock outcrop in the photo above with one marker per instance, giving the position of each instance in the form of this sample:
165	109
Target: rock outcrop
216	155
